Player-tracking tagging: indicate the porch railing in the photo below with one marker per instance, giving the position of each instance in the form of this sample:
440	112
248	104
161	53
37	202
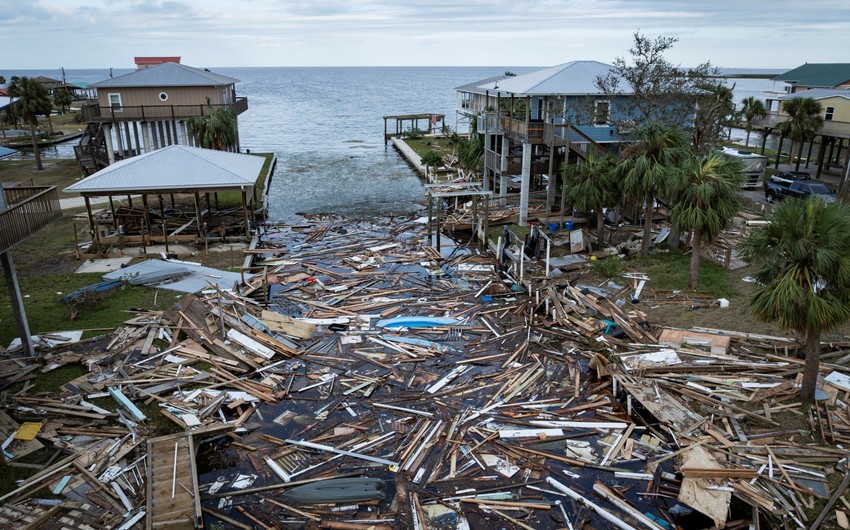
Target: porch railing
94	112
829	128
29	209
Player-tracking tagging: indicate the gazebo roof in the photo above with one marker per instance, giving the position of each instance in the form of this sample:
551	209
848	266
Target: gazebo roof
176	168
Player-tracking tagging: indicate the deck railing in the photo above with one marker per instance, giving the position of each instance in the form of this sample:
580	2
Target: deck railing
29	209
829	128
94	113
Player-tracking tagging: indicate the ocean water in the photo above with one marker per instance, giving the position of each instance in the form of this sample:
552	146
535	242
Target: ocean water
326	126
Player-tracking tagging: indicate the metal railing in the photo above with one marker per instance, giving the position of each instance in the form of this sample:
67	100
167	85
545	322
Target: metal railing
93	113
829	128
29	209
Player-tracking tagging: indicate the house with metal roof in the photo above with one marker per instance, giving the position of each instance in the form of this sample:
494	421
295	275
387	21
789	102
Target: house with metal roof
149	109
828	84
533	123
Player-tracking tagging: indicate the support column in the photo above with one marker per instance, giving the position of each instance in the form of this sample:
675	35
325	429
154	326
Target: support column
184	132
107	136
821	152
552	182
526	184
17	303
503	189
506	149
146	138
119	142
245	213
487	169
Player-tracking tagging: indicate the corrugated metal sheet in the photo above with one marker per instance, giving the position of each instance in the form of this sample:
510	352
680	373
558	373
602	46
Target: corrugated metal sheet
573	78
174	167
167	74
817	75
199	278
818	93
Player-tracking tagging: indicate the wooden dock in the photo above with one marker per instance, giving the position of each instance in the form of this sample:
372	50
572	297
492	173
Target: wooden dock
173	501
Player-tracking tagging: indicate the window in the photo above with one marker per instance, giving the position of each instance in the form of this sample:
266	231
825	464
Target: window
830	111
163	96
600	115
115	102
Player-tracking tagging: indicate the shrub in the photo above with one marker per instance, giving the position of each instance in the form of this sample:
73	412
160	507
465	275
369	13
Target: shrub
414	134
609	267
432	158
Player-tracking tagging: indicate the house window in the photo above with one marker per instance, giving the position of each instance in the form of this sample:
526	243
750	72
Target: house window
600	115
163	96
115	102
830	111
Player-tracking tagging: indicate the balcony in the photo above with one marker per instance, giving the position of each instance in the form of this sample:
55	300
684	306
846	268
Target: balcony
29	209
95	113
838	129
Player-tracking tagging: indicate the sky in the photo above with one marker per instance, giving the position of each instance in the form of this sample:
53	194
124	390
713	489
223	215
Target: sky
41	34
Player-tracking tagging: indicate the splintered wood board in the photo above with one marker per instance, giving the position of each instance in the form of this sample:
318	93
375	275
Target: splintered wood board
668	410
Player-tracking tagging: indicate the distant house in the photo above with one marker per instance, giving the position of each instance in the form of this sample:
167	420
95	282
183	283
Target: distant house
827	83
48	83
148	62
807	77
149	108
533	123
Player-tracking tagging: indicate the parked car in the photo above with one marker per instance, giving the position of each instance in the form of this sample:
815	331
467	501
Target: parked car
800	189
790	176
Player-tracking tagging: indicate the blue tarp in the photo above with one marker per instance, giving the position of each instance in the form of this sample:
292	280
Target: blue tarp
5	151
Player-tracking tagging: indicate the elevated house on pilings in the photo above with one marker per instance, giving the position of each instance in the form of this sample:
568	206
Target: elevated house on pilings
533	123
827	83
149	109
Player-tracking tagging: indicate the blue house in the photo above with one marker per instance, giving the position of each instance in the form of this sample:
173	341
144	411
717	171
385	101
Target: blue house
532	123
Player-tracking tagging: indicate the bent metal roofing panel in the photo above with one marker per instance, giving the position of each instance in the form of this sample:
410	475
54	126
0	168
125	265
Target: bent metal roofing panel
176	167
167	74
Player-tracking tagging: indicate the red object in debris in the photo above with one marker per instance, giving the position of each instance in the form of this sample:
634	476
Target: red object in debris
311	280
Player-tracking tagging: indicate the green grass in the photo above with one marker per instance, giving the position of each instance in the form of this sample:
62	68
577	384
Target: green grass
60	173
671	270
423	145
46	312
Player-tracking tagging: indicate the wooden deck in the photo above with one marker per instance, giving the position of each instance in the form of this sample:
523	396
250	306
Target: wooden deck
173	499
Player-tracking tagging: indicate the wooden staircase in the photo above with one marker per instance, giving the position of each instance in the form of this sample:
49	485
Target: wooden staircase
91	151
173	502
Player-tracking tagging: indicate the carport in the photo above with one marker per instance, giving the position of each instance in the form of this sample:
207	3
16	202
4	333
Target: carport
173	170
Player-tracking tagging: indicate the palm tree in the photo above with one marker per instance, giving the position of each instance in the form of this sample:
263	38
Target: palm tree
591	186
751	108
215	131
650	168
803	120
804	279
32	101
707	203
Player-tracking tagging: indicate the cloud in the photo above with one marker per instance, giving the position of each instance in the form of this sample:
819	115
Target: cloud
419	32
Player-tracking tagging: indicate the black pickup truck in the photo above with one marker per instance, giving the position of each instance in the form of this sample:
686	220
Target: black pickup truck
779	188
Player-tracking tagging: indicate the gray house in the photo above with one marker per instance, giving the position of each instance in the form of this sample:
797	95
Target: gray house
532	123
148	109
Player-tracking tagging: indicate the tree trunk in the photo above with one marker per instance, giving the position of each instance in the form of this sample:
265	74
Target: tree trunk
647	226
791	153
600	227
696	247
810	369
50	124
35	147
799	155
747	143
